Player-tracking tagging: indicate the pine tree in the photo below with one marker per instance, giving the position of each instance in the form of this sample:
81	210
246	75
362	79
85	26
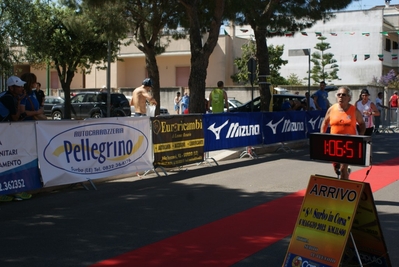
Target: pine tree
324	64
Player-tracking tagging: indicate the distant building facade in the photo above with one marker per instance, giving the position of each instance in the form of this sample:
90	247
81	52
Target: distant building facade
364	43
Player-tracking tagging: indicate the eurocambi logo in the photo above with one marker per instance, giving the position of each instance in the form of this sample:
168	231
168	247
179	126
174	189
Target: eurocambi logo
96	148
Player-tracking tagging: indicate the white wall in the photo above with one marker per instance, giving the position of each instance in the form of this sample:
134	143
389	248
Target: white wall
344	46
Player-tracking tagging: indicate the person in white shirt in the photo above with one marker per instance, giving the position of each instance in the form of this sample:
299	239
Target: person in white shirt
368	109
312	106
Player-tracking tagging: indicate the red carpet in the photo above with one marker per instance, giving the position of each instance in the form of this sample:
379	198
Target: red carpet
229	240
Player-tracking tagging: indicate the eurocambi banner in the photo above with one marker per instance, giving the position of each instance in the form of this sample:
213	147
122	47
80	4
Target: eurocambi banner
177	140
19	170
75	151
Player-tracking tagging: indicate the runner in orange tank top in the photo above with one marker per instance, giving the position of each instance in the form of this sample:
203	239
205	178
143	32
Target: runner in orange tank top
342	118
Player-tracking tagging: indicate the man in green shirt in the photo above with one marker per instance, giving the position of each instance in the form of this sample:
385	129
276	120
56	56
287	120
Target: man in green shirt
218	99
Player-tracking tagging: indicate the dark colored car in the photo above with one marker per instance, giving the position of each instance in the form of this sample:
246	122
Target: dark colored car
93	105
49	102
278	101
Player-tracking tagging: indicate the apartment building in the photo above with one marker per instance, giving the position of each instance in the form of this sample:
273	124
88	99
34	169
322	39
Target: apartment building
364	43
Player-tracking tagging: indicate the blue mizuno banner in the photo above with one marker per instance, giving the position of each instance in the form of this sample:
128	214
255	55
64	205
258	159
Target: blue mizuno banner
229	130
314	119
283	126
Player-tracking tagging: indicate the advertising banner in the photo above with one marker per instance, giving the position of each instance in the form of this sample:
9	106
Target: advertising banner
314	120
19	170
324	222
232	130
177	140
283	126
74	151
368	236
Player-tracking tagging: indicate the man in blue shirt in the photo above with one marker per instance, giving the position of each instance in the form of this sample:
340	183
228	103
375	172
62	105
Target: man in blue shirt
320	97
185	102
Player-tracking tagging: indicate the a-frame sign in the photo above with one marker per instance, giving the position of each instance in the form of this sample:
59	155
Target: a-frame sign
337	223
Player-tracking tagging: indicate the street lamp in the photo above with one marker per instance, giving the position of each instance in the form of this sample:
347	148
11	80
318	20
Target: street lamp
302	52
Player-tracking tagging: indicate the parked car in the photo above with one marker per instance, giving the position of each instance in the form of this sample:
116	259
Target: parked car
278	101
162	110
49	102
233	103
93	105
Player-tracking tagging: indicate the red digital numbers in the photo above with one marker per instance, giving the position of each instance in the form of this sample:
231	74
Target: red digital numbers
349	149
339	148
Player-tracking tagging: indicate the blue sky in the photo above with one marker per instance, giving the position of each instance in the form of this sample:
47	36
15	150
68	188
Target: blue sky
367	4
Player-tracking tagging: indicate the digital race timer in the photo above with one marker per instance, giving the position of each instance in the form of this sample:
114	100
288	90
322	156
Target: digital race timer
349	149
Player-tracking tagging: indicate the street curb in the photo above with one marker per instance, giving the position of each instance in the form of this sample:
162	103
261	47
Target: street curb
229	154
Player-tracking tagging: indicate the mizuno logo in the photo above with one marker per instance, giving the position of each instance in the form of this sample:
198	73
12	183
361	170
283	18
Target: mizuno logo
237	130
313	122
216	131
295	126
288	126
273	126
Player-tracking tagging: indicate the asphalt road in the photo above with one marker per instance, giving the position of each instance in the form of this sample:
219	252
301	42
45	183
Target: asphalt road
72	226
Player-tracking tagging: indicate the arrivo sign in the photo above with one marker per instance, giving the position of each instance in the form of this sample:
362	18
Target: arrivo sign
349	149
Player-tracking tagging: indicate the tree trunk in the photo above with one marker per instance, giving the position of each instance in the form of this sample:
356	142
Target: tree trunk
66	77
200	52
196	83
262	55
153	72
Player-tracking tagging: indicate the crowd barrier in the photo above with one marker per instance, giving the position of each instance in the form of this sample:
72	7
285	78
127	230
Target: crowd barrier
50	153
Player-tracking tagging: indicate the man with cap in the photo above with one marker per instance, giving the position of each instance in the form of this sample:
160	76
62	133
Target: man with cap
12	98
140	96
368	109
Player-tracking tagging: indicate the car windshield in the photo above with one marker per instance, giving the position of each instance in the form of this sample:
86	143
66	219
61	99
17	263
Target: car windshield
236	102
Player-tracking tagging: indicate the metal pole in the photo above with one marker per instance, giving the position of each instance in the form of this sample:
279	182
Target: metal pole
48	79
308	100
109	81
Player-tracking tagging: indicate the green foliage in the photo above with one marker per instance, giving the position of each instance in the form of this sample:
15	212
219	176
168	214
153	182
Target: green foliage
200	16
248	52
274	18
293	79
324	64
67	37
150	23
9	34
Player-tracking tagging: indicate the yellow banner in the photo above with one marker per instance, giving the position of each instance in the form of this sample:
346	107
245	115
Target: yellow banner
324	222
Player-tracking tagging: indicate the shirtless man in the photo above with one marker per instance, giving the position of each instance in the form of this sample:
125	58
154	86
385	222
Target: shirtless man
140	95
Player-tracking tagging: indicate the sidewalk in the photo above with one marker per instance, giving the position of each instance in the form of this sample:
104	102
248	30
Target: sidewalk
235	153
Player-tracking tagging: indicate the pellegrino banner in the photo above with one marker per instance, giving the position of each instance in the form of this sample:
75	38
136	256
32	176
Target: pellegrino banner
76	151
